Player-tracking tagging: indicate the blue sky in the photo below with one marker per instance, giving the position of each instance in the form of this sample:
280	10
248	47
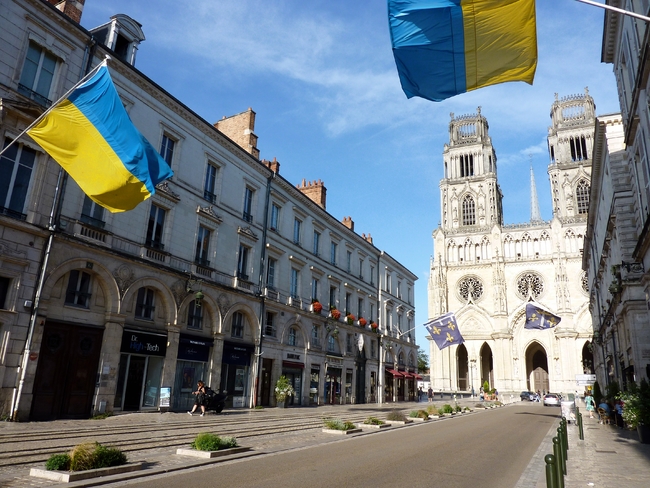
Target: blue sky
321	77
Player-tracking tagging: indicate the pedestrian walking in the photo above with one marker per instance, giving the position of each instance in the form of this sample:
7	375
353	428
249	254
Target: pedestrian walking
589	402
430	394
420	393
199	401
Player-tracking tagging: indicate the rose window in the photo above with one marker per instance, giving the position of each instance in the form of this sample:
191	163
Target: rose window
584	281
530	284
470	287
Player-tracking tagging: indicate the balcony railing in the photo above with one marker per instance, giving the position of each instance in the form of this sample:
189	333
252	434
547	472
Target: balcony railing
247	217
32	95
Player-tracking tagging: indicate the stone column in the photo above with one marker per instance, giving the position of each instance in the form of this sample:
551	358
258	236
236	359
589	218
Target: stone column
171	356
109	365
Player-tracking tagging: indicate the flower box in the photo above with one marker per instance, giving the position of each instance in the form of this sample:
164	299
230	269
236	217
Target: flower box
373	426
399	422
316	307
342	432
362	322
211	454
70	476
335	314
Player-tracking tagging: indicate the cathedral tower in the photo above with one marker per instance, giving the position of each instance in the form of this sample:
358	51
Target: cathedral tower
570	146
469	191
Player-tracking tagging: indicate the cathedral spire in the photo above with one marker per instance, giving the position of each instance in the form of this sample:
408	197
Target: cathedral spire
535	215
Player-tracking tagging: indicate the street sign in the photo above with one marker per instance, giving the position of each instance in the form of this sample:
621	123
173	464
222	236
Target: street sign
585	379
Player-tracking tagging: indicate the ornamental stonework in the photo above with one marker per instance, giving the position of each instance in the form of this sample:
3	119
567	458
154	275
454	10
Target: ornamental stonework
530	284
470	288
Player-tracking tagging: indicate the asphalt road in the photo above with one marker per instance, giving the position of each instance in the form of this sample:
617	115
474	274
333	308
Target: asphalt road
487	450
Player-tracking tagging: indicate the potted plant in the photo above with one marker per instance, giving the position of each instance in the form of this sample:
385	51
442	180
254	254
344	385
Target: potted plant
349	318
373	325
283	389
362	322
316	307
636	409
335	314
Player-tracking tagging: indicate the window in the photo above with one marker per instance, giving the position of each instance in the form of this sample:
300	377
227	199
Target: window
167	149
400	359
582	196
469	216
360	269
270	273
155	227
314	288
399	289
294	282
360	307
331	344
408	295
372	311
248	204
275	216
38	73
78	292
348	342
144	305
372	275
202	246
210	183
269	325
332	302
237	327
316	243
292	336
92	213
373	351
348	296
388	281
297	224
333	247
466	165
348	261
16	166
315	335
4	292
242	262
194	316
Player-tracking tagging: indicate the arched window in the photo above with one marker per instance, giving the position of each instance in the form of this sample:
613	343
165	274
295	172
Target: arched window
292	336
469	212
582	196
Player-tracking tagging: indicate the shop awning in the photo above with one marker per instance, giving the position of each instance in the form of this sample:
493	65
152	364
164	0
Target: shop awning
292	364
394	373
406	374
417	376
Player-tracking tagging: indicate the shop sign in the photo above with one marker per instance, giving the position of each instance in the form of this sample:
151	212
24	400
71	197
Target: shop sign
194	349
137	342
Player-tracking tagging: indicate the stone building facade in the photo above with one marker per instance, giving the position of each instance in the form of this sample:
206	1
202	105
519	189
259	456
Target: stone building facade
485	271
212	278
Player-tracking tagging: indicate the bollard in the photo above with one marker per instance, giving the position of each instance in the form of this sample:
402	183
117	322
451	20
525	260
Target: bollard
560	439
551	471
557	452
566	440
580	431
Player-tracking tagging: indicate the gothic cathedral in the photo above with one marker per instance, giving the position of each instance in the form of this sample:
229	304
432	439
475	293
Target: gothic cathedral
486	271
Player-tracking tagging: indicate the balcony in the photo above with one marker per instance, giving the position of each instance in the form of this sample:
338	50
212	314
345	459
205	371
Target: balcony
247	217
210	197
32	95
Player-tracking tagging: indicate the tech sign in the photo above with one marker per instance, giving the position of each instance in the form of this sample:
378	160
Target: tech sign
136	342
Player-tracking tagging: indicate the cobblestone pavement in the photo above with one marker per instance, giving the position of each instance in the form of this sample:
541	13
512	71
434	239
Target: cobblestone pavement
608	457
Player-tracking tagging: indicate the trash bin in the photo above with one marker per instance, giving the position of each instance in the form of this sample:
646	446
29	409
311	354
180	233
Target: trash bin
568	411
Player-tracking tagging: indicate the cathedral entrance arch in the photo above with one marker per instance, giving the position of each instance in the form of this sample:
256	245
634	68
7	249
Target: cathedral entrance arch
461	367
537	368
487	365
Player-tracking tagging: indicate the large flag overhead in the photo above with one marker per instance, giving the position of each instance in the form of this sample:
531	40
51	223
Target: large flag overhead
446	47
91	136
537	318
444	330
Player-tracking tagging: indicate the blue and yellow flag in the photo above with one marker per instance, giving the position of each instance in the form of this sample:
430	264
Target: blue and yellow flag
537	318
91	136
444	331
446	47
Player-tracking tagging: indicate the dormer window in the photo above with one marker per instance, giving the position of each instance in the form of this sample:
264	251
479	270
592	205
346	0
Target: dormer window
122	35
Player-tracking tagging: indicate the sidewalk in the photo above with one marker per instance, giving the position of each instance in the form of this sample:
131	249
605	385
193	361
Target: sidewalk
608	457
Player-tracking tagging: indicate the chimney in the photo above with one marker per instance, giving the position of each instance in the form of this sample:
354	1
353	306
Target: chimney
272	165
347	221
367	237
315	191
240	129
71	8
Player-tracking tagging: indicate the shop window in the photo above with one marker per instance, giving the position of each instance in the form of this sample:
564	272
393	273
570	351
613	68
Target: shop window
237	328
194	316
78	292
144	305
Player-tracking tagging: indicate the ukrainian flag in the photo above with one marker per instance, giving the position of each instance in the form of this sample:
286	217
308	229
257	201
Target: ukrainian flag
446	47
91	136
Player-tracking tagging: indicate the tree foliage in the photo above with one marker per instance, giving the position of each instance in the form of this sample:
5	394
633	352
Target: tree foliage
423	362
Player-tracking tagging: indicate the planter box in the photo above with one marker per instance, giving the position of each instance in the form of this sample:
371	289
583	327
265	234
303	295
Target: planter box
373	426
434	417
417	419
342	432
211	454
399	422
70	476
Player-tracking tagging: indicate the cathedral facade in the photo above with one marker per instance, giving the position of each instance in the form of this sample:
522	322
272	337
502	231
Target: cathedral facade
485	271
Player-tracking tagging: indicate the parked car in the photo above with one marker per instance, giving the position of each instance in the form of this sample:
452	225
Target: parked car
552	399
528	396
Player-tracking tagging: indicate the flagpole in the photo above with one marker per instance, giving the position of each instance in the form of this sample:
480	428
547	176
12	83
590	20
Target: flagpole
54	105
616	9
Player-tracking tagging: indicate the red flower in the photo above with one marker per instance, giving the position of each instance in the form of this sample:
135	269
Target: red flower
335	314
362	322
373	325
317	307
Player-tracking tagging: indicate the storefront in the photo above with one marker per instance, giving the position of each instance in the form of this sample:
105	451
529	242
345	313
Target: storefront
333	373
192	366
235	369
409	383
314	379
141	365
292	369
392	382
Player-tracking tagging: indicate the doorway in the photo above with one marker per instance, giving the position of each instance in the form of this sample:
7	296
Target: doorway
537	368
487	366
66	373
267	365
138	383
463	370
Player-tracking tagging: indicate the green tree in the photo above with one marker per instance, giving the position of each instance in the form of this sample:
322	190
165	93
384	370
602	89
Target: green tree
423	362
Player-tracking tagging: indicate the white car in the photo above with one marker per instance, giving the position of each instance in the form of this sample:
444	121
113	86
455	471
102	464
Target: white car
552	399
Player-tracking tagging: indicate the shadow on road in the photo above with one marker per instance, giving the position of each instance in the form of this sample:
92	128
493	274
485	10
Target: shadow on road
557	416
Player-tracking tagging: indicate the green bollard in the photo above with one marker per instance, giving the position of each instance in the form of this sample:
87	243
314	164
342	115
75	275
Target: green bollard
580	431
560	441
551	471
557	452
565	438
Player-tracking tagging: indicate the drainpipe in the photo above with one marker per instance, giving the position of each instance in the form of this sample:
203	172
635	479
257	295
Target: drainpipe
258	346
